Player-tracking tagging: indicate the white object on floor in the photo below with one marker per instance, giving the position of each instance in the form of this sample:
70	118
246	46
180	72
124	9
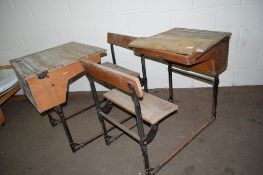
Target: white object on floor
7	79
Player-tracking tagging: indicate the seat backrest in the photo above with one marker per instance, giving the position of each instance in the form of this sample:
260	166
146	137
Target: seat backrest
113	77
120	40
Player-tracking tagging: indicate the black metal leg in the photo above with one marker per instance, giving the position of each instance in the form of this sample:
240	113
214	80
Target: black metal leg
143	144
170	77
112	54
53	122
74	146
145	159
139	123
108	139
144	76
215	92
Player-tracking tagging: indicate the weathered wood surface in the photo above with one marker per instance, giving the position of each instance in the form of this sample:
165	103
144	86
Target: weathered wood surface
113	77
61	64
121	69
53	58
153	109
5	67
120	40
200	51
181	41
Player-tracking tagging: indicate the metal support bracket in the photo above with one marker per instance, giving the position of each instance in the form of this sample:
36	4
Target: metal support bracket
53	122
107	107
75	147
42	75
108	140
151	134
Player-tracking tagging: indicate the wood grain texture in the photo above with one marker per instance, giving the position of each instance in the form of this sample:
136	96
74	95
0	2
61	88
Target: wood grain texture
153	109
212	62
52	58
58	65
120	40
6	67
113	77
52	90
121	69
181	41
195	58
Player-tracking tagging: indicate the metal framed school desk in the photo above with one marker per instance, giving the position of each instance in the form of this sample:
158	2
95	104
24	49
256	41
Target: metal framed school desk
44	78
199	54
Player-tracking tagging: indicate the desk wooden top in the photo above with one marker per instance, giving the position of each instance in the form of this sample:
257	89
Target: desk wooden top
46	60
179	45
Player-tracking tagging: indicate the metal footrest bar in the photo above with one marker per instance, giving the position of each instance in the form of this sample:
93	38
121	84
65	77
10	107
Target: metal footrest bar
82	110
121	127
180	147
119	135
204	78
101	133
76	146
55	122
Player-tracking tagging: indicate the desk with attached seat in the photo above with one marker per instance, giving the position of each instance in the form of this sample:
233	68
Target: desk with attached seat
199	54
130	97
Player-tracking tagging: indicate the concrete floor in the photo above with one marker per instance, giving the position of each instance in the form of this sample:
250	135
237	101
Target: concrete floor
232	145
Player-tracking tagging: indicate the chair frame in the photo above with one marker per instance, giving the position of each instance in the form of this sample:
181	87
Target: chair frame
142	138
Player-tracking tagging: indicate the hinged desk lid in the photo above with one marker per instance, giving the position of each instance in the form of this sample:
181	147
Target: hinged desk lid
59	56
181	41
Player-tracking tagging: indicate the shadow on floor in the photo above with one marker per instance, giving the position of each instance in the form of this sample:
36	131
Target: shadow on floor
232	145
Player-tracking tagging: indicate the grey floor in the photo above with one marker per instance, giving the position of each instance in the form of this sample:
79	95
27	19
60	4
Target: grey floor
232	145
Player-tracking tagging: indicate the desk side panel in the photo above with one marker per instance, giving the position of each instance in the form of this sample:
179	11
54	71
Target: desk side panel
23	83
52	90
211	63
216	60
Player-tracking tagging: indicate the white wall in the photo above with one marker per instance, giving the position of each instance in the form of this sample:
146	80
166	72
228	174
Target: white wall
27	26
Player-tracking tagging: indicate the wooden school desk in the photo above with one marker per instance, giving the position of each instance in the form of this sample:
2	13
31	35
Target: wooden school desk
199	54
44	78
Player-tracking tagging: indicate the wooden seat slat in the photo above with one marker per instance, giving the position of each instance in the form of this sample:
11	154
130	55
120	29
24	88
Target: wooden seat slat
153	109
121	69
